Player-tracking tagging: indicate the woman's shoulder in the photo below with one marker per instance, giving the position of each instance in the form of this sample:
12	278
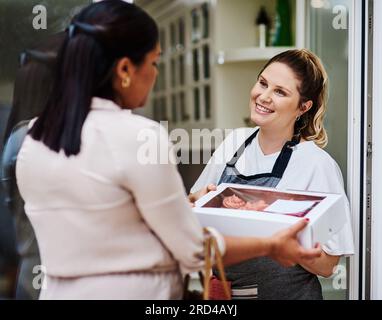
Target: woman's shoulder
126	121
144	131
313	155
141	122
321	170
115	118
124	131
314	150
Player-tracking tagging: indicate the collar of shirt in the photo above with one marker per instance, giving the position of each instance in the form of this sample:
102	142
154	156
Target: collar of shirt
104	104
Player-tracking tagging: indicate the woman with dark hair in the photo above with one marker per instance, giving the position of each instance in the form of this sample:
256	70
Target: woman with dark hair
109	226
285	151
32	86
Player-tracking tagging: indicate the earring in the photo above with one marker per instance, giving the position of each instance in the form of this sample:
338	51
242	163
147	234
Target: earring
126	82
298	118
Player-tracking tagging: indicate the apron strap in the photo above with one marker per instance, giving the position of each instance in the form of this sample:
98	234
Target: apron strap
284	157
282	160
240	151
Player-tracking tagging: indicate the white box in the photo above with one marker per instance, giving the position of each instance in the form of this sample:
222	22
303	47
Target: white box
327	215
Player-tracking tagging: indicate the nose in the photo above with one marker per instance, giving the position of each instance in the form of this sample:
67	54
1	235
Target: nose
265	96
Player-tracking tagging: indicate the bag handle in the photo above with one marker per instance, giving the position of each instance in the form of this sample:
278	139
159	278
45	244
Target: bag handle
209	244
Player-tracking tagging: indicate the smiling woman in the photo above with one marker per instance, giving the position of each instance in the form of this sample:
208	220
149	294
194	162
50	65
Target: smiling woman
292	90
275	102
288	104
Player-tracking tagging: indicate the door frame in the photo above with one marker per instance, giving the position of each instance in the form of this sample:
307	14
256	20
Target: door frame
376	203
354	169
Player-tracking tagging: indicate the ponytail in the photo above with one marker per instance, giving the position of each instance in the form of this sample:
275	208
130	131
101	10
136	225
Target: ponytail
78	72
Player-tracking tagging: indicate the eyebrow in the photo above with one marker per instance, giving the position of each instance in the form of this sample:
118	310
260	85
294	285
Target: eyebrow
279	87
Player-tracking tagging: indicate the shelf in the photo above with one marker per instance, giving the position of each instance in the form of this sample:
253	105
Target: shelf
249	54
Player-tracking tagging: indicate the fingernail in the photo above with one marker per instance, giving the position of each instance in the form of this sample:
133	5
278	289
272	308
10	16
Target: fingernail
307	219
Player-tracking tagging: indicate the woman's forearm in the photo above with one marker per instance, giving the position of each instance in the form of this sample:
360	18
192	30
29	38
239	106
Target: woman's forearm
283	247
322	266
241	249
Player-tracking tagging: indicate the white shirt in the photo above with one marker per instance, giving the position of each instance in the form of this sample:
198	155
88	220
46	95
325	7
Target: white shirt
103	210
310	169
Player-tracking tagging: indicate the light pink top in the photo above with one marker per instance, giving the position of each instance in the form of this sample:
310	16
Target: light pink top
105	210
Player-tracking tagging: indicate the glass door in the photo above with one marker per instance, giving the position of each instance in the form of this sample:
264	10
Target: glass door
22	24
331	35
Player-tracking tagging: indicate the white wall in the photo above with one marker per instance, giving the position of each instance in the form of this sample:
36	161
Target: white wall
233	85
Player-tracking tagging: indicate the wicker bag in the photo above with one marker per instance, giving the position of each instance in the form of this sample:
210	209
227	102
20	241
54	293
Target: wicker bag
210	248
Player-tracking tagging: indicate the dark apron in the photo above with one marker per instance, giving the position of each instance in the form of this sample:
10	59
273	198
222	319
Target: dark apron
263	278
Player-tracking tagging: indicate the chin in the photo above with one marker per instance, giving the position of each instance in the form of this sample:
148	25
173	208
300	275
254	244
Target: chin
255	118
260	119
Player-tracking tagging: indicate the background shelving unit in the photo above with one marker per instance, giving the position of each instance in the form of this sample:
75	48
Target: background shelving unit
248	54
211	60
238	59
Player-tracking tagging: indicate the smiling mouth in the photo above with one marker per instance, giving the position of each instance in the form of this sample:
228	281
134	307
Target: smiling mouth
263	109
